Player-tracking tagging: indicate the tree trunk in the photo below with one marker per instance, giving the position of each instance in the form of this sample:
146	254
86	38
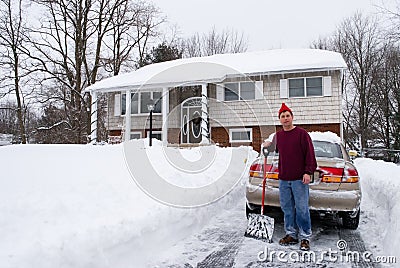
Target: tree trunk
20	116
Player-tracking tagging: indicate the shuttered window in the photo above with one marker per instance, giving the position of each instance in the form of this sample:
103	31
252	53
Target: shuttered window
305	87
240	91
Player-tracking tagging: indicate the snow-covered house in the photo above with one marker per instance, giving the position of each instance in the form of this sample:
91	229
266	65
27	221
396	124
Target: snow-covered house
229	99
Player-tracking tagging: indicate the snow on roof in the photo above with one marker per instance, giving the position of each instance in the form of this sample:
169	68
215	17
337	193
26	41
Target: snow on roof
215	68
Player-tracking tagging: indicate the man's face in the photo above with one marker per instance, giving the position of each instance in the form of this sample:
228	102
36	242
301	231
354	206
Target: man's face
286	119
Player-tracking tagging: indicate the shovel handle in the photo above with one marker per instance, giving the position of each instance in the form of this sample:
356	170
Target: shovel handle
265	151
263	184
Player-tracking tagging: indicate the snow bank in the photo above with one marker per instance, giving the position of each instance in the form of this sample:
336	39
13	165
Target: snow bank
78	206
380	182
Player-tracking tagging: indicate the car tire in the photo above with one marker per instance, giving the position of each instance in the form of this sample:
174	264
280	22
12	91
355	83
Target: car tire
350	221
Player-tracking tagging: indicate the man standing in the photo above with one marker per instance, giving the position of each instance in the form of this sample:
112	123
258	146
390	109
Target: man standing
296	164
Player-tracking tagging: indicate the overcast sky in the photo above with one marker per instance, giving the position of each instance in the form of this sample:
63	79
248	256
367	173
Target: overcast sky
266	23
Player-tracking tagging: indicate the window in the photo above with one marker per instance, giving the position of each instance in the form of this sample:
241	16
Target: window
247	91
314	86
327	149
141	100
231	91
296	87
136	135
305	87
240	91
155	134
241	135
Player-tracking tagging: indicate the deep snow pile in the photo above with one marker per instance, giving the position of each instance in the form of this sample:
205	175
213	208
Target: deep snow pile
78	206
380	182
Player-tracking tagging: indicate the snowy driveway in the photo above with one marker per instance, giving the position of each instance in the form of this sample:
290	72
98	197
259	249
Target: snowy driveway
221	244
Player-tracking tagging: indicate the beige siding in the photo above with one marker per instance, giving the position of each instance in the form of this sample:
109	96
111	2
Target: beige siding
262	112
307	110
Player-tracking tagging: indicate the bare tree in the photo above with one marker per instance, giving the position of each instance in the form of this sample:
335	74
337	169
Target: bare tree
8	122
389	112
192	46
391	81
392	18
227	41
66	48
11	38
358	39
75	45
134	26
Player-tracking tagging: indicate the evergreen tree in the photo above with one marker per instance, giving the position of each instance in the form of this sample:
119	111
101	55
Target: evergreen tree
161	53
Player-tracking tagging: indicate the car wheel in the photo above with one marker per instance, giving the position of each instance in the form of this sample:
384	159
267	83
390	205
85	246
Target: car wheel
351	221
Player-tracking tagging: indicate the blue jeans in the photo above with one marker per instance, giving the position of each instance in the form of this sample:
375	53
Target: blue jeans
293	197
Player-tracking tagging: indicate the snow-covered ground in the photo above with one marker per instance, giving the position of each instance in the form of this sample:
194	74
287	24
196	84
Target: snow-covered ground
79	206
84	205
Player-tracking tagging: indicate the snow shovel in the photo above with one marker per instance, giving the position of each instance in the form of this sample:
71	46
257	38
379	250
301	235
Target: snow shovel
260	226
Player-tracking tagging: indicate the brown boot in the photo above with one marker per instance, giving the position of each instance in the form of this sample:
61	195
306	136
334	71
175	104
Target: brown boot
288	240
305	245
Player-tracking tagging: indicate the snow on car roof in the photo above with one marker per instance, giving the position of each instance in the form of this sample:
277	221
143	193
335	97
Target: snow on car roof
325	136
216	67
318	136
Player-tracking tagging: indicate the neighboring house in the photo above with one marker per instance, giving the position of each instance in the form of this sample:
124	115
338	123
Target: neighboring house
229	99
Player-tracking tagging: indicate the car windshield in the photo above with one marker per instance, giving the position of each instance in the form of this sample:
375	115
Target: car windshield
327	149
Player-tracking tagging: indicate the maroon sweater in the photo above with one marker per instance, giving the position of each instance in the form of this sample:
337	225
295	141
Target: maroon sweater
296	154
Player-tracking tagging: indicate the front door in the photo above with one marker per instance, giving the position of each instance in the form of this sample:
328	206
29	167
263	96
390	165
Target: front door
191	120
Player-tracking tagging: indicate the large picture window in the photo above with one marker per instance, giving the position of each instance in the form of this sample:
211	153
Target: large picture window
305	87
239	91
140	101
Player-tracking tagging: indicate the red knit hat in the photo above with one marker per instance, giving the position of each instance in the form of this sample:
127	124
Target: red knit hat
283	109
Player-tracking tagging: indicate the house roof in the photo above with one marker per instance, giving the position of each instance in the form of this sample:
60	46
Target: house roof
216	68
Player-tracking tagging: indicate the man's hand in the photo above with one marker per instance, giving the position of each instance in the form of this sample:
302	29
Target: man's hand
266	144
306	179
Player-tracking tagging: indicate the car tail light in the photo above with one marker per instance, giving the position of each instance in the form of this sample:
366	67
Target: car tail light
272	172
331	174
348	174
256	170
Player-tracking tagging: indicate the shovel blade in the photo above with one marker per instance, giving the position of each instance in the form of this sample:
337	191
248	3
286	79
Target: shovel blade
260	227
